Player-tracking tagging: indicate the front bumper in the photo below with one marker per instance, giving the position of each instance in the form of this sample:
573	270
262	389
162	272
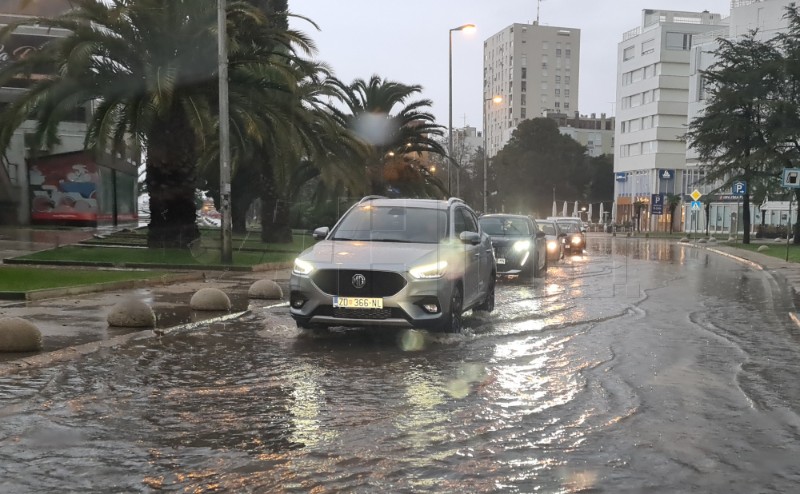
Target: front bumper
403	309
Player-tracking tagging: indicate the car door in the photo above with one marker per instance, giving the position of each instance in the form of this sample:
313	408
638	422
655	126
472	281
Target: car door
540	244
465	222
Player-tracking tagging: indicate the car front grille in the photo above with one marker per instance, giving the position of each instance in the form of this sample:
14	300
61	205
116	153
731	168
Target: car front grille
340	282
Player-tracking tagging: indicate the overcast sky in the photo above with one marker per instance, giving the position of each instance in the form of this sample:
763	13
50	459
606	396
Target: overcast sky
407	41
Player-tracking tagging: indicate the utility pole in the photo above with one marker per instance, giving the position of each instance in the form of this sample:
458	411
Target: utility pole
224	136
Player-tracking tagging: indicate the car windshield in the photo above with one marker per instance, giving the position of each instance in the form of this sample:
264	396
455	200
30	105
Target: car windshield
569	227
504	226
547	228
393	224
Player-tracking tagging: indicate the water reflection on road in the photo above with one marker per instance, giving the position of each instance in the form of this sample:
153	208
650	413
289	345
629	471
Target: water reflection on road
636	367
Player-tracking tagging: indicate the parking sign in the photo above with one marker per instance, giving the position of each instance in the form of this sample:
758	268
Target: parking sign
657	204
791	178
739	188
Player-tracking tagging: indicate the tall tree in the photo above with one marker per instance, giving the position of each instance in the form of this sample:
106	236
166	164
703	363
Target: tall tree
536	159
381	114
149	67
731	137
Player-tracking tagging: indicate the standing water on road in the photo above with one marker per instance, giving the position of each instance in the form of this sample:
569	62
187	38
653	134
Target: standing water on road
637	367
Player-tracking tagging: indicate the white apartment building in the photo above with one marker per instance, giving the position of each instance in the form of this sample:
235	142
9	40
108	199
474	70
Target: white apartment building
765	16
535	70
652	105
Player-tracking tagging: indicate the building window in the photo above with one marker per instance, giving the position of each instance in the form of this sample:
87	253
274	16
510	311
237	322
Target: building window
566	79
558	52
522	113
524	86
566	93
524	72
568	53
558	92
558	79
510	86
524	60
522	99
648	46
566	105
558	104
627	53
510	112
679	41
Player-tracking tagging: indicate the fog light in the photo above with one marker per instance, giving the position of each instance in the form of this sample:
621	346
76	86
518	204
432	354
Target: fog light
297	300
431	308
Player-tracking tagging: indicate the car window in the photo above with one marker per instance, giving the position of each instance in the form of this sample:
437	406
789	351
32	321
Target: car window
547	228
469	221
459	221
569	227
505	226
392	224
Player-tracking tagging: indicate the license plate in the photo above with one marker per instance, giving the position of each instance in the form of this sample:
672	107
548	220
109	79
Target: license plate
501	260
358	303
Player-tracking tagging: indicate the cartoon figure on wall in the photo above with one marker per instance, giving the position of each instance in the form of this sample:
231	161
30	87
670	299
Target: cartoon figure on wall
64	188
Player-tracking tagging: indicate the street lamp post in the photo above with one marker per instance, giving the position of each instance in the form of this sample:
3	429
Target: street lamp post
496	99
224	136
450	99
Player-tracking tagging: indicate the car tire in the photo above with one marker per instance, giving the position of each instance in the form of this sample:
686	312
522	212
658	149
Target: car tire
488	303
453	323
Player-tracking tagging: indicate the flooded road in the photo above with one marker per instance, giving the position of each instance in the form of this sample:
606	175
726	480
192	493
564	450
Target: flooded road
638	367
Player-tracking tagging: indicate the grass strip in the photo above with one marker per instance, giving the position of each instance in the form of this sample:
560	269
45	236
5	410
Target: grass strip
24	279
123	255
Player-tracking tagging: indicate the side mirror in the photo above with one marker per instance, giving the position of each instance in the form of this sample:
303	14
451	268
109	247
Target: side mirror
583	230
540	234
470	238
321	232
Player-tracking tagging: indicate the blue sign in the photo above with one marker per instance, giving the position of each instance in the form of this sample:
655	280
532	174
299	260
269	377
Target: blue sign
666	174
697	206
621	177
657	204
791	178
739	188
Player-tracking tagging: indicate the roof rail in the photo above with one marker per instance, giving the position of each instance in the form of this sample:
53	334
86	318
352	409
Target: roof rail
455	199
369	198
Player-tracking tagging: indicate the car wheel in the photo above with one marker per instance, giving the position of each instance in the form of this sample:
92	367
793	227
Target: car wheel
453	322
488	303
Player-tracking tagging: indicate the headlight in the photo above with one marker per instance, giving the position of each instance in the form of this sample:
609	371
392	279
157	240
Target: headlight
429	271
552	245
576	240
522	245
302	267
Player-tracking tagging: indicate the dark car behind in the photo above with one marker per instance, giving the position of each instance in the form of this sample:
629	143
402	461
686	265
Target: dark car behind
519	245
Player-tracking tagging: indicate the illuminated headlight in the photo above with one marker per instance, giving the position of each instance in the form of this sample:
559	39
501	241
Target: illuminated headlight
552	245
429	271
522	245
576	240
302	267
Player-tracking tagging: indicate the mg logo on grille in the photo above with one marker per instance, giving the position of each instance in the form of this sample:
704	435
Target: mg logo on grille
359	280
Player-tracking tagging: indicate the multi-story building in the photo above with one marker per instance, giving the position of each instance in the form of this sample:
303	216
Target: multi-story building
652	106
766	17
534	69
64	184
597	134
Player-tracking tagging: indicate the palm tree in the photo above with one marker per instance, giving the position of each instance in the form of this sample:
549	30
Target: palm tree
149	67
672	200
395	139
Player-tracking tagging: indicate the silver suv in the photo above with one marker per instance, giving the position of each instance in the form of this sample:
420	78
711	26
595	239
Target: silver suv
395	262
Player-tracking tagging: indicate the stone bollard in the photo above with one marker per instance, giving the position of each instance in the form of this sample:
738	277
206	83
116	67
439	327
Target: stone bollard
762	248
779	239
684	240
265	289
19	335
131	313
210	299
712	239
701	241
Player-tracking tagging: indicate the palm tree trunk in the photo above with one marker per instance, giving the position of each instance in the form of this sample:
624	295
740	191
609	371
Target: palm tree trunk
171	181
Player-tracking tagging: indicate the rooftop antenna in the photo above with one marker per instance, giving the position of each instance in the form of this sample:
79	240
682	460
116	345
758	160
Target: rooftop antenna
538	8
